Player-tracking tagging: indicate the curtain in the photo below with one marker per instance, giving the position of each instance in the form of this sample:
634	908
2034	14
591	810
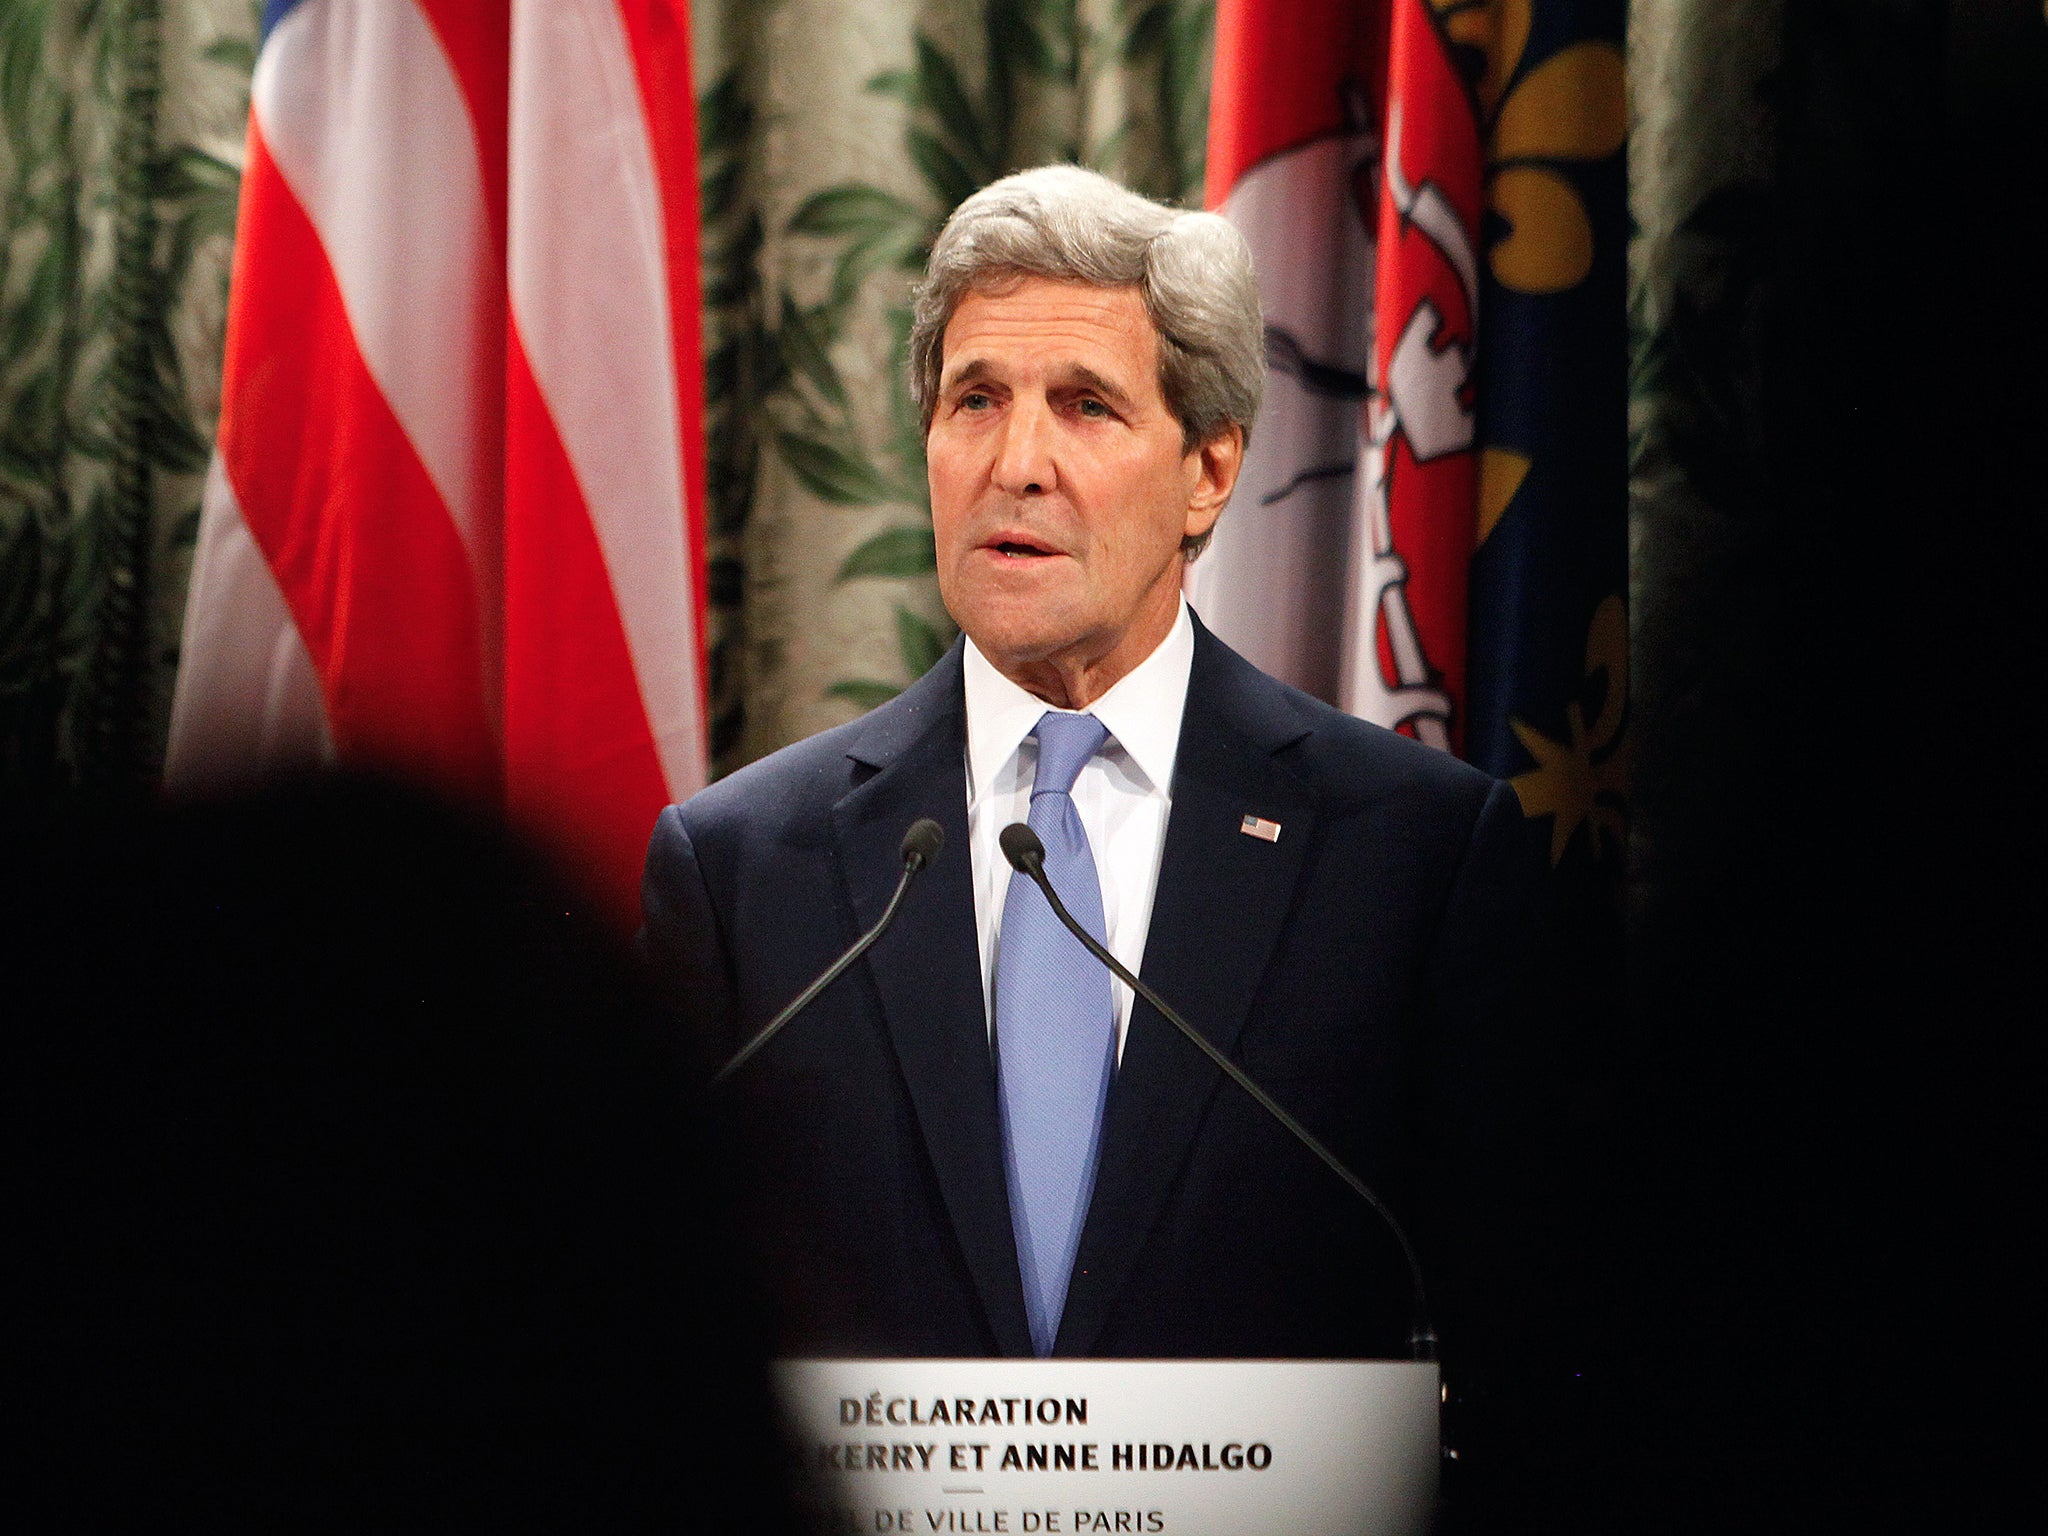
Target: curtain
120	136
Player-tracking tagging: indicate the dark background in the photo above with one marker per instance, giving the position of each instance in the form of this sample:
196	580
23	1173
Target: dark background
1833	944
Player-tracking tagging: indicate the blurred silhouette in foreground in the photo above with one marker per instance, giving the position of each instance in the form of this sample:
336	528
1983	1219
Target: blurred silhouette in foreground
356	1187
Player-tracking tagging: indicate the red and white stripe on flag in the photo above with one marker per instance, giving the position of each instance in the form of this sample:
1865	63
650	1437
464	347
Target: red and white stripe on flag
454	526
1342	144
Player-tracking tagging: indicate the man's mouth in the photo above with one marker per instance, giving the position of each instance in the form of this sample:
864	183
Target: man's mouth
1020	549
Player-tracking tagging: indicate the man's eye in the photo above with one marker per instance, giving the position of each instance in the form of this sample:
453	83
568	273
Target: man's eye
1088	405
975	400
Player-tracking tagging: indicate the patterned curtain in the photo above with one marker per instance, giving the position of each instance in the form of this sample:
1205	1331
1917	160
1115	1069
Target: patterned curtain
1702	161
120	136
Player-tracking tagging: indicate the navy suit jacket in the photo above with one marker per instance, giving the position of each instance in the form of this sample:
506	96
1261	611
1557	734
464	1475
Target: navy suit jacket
1360	967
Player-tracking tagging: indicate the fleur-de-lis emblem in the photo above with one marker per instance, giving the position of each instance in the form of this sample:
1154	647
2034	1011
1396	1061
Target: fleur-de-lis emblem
1572	106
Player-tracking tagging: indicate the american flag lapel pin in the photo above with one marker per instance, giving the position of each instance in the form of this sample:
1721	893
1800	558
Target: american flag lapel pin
1259	827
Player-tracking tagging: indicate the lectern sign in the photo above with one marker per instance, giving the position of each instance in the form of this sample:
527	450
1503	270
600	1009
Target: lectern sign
1173	1448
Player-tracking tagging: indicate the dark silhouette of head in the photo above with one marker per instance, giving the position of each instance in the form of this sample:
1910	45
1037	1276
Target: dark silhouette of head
357	1187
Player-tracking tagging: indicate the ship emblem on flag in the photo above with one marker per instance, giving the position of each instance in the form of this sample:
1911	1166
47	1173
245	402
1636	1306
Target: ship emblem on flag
1343	145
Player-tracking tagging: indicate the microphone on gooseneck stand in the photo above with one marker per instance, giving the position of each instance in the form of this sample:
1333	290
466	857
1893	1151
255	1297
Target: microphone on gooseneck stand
1021	846
921	844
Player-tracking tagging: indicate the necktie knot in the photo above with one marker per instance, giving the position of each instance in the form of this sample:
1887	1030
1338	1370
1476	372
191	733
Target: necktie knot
1065	743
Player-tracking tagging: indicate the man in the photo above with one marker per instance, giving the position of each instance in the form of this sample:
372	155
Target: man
974	1144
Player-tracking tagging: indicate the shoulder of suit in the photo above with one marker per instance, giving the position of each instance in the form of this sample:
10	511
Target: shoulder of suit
777	785
1344	757
807	777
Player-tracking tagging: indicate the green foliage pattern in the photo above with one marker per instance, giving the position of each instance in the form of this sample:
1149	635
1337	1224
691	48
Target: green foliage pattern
118	127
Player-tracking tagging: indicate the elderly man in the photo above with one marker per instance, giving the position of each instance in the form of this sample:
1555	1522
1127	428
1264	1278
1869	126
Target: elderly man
976	1143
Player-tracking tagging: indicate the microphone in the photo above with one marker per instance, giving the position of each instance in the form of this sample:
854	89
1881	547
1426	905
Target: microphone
921	844
1021	846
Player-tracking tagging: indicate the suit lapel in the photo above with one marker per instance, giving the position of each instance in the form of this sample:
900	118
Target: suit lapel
928	973
1222	901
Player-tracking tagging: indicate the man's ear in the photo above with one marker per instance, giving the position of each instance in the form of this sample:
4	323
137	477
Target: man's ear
1216	464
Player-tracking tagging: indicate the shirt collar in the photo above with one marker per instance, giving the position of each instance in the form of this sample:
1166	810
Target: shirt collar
1142	711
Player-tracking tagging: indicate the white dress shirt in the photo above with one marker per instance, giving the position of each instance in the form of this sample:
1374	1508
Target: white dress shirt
1123	794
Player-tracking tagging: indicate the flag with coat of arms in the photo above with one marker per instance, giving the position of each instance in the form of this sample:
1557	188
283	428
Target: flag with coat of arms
1431	526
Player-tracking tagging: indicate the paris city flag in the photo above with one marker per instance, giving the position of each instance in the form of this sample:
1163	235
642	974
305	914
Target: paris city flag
454	523
1341	144
1430	530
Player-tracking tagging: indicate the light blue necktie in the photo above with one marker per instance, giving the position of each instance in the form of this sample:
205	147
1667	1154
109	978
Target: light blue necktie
1055	1032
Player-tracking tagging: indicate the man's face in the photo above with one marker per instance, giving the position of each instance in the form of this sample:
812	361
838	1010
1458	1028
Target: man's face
1060	491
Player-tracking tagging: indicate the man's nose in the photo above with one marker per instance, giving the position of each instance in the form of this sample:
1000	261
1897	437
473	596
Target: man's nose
1024	457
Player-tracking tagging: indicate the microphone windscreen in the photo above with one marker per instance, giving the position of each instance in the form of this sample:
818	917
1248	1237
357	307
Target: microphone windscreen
1022	848
923	841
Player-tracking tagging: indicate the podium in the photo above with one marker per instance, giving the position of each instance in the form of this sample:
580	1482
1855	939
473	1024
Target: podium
1169	1447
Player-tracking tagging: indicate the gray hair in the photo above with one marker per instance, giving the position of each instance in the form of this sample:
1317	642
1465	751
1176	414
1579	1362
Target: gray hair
1192	270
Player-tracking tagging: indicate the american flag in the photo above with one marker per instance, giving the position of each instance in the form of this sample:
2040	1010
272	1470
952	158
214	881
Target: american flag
454	522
